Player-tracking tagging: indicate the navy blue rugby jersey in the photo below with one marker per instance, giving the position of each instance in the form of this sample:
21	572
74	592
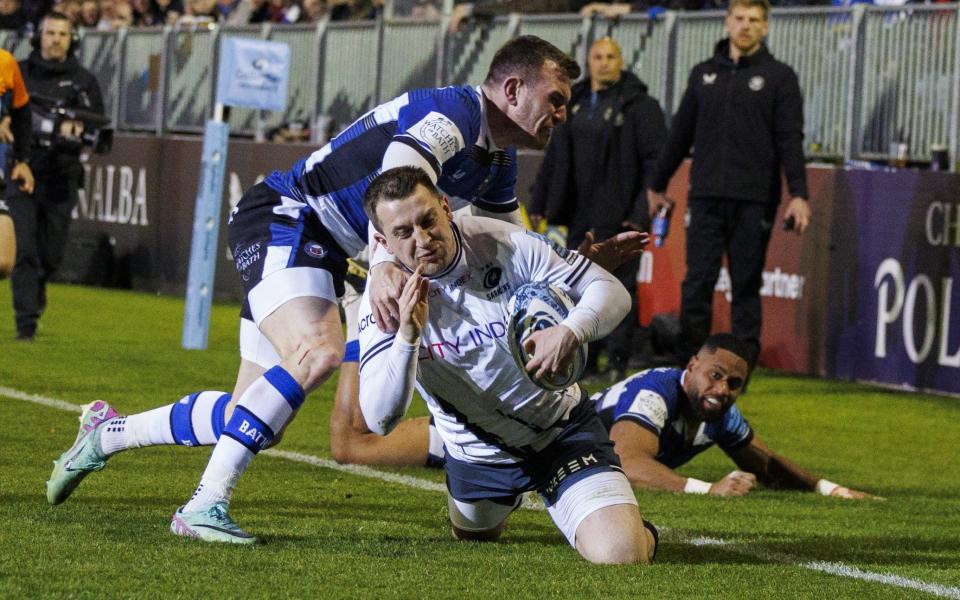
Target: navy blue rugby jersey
652	399
447	127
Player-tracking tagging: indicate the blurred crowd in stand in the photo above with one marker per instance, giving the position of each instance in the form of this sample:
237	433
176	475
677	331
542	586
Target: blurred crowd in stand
108	15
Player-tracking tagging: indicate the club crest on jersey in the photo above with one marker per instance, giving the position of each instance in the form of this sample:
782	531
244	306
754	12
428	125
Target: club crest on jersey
315	250
756	83
492	277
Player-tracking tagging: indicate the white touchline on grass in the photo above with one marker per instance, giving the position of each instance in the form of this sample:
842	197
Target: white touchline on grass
832	568
51	402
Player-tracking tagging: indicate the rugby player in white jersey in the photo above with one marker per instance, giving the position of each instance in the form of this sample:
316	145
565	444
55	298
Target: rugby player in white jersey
290	237
504	435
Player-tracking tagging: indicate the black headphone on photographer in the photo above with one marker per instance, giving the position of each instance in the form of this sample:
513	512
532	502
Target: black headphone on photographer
58	16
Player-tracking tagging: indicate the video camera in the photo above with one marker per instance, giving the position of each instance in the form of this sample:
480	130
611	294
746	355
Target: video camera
48	116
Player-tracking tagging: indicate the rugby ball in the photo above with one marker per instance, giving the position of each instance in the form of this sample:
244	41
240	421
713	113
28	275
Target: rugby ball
535	306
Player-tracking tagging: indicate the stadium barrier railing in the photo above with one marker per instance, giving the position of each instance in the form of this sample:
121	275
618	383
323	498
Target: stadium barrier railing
876	80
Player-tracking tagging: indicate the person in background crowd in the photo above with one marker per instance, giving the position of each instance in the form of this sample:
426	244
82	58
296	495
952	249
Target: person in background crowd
484	9
168	11
70	8
89	14
42	220
200	11
742	112
123	15
108	12
312	11
355	10
144	13
11	16
592	176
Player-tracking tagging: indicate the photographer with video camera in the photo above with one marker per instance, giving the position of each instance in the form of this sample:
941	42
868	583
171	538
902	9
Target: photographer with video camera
66	102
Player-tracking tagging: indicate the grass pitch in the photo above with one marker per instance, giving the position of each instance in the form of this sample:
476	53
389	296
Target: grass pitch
338	534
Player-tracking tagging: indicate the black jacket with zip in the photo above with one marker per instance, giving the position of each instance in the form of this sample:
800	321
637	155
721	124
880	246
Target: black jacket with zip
745	122
72	86
633	132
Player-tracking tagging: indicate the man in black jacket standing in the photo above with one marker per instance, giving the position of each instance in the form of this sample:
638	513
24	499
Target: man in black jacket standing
592	177
743	114
52	74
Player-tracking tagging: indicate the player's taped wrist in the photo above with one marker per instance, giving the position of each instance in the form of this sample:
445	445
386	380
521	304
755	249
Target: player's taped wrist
825	488
696	486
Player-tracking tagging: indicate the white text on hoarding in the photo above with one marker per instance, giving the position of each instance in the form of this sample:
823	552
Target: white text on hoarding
897	298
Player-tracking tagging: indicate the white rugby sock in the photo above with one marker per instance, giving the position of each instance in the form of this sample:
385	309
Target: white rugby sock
267	405
195	420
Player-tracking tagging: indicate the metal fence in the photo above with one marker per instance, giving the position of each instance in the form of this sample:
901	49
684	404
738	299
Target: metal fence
873	78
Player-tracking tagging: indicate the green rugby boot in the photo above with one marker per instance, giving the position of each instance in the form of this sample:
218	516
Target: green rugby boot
84	456
210	524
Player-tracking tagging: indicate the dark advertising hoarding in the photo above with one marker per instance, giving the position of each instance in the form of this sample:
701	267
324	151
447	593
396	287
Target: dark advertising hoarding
141	197
893	308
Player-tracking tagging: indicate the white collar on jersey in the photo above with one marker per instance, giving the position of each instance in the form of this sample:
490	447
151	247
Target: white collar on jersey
457	257
485	140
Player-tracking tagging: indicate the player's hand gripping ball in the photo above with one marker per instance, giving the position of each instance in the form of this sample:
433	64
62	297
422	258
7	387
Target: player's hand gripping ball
535	306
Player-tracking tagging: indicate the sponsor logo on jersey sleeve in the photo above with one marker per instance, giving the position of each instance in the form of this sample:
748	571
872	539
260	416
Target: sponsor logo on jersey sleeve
440	135
245	257
651	406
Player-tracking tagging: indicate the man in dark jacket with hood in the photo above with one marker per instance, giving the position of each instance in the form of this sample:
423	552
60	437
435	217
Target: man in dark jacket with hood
52	74
592	178
743	114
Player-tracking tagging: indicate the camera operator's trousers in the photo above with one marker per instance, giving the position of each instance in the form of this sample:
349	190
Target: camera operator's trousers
41	222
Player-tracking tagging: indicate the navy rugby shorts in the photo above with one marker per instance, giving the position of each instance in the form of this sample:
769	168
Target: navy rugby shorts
582	449
282	251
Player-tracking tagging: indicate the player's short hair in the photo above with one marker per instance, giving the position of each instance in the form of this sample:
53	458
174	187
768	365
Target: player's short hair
525	56
763	5
728	342
395	184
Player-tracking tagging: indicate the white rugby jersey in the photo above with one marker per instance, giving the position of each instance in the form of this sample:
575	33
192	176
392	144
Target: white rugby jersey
485	408
442	130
